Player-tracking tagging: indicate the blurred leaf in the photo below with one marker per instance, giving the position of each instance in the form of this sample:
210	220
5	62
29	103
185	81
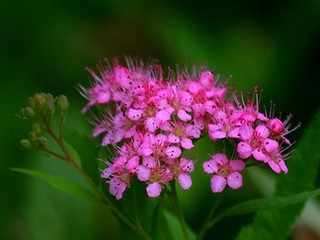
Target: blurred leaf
138	206
267	203
87	149
175	228
303	169
155	219
60	183
74	154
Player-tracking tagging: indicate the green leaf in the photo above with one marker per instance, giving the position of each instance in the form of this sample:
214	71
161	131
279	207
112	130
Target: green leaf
303	169
59	183
175	228
74	154
87	149
267	203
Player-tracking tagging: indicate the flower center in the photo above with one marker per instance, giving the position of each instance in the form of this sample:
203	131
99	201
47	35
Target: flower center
200	97
150	111
179	132
159	152
227	128
256	142
224	170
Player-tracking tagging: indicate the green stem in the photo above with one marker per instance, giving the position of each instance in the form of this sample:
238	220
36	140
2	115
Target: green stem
54	154
105	200
208	223
176	205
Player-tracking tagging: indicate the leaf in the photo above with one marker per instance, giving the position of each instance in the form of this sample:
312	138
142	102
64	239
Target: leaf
74	154
62	184
267	203
175	228
303	169
87	149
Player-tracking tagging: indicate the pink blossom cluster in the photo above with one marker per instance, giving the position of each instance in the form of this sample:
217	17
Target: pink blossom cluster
150	120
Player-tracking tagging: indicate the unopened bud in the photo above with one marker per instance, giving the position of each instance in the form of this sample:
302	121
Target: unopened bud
33	137
36	129
31	102
39	100
27	112
50	109
62	103
42	142
25	143
49	98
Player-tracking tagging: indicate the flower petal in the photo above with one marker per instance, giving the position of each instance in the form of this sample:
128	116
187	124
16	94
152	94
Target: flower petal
134	114
183	115
262	131
154	189
237	165
163	116
220	158
259	155
234	180
116	188
246	132
152	124
186	143
207	79
244	150
210	166
133	163
186	165
103	97
143	173
173	152
218	183
270	145
274	166
185	181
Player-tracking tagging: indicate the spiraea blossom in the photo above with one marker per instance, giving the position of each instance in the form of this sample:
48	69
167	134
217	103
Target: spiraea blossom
150	120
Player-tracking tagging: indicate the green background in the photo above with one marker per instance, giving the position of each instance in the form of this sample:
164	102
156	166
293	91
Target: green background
46	45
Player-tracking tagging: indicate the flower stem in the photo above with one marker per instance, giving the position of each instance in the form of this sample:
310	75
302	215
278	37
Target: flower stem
176	205
207	223
105	200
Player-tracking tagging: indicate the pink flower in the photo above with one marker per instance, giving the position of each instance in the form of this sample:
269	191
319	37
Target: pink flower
279	129
276	161
224	172
182	134
119	175
224	127
248	111
148	119
117	128
255	142
154	189
181	171
181	102
155	174
98	94
159	147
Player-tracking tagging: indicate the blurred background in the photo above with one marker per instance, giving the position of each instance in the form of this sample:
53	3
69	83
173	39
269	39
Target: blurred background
46	45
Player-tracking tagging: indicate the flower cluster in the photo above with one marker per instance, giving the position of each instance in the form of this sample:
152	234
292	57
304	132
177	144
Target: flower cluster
150	120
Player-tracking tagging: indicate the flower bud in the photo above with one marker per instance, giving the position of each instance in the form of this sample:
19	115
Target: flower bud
49	109
42	142
62	103
39	100
36	129
27	112
25	143
49	98
33	137
31	102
